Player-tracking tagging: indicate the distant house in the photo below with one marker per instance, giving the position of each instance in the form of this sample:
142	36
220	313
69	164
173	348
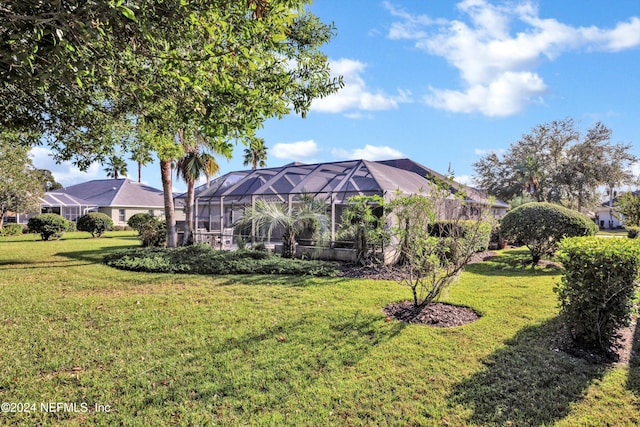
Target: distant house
607	215
118	198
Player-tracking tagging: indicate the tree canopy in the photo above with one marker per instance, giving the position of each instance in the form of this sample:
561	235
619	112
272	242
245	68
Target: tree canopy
20	186
91	76
555	163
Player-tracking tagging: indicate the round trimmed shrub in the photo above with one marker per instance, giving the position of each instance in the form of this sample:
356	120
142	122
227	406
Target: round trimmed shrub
95	223
540	226
140	220
49	225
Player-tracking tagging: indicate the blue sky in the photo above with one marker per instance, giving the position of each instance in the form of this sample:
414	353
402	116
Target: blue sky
445	82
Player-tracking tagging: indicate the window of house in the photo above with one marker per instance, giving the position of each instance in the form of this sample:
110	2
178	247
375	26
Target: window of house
121	215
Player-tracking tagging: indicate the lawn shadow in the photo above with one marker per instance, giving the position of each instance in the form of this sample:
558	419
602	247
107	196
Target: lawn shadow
514	263
274	363
528	382
277	280
94	255
31	265
633	382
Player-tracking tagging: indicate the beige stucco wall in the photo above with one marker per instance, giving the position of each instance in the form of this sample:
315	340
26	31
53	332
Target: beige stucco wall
114	213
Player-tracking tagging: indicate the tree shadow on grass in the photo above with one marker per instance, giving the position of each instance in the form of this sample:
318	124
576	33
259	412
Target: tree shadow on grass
528	382
94	255
262	369
277	280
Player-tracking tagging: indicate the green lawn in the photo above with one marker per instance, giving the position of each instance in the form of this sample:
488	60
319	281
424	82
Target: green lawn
162	349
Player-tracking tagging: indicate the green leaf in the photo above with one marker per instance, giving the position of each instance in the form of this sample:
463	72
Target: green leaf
128	13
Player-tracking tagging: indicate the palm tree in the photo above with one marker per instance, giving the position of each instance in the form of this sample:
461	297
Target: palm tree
116	167
529	173
142	155
268	216
193	166
256	154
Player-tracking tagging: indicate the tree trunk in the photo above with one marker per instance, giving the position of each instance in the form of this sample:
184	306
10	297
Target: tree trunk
187	239
139	171
169	211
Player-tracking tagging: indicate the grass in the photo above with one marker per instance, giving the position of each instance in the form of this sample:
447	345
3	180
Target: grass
166	349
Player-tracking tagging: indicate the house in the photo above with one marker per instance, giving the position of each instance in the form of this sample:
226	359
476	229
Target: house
607	215
221	203
117	198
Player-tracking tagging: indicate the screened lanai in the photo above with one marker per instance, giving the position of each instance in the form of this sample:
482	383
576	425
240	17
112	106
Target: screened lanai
67	206
221	204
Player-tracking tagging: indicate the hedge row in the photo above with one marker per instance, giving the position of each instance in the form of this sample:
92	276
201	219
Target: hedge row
597	289
202	259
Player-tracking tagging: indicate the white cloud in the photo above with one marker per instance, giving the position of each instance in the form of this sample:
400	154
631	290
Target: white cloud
466	180
495	63
65	172
355	95
369	152
504	96
297	151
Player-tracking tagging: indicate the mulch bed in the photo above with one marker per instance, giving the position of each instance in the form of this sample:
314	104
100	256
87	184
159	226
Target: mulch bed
621	355
434	314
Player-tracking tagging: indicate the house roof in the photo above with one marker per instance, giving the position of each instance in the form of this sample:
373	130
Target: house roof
57	198
608	203
341	179
116	192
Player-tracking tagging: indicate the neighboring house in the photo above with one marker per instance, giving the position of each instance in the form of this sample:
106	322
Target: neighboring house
220	204
607	215
118	198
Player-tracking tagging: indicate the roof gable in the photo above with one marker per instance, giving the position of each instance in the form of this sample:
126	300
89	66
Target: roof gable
117	192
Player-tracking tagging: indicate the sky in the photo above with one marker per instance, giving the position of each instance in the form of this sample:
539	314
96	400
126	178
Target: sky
447	82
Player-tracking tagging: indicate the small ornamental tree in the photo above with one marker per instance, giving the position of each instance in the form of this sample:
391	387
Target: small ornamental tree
540	226
431	253
47	225
95	223
597	289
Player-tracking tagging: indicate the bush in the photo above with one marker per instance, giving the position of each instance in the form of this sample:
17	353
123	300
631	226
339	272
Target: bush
140	221
12	229
154	234
95	223
70	226
597	288
632	232
151	230
540	226
202	259
48	225
464	229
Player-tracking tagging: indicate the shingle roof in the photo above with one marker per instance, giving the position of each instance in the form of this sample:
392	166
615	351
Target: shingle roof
116	192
